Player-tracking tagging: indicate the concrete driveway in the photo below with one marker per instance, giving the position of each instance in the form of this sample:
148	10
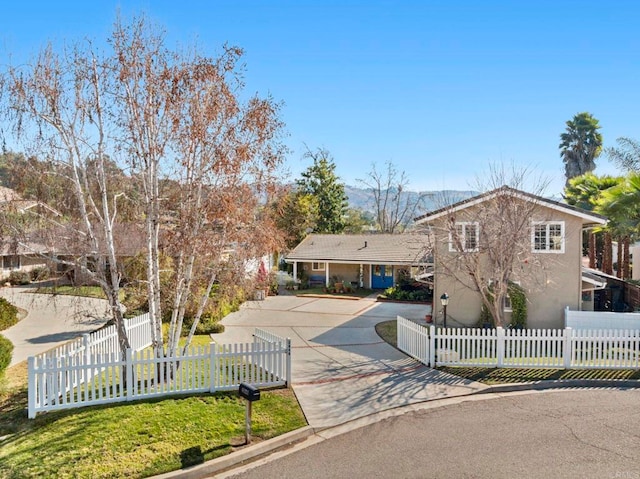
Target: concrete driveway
51	320
341	369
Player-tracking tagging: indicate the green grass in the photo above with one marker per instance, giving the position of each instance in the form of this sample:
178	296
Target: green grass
83	291
136	439
516	375
388	331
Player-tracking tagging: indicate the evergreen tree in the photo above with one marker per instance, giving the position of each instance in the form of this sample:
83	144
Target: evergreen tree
321	182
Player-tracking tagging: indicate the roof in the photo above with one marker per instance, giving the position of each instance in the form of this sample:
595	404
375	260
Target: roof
372	248
595	277
24	249
588	217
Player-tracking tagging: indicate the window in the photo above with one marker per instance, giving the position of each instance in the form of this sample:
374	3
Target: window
506	301
11	262
317	266
466	237
547	237
506	304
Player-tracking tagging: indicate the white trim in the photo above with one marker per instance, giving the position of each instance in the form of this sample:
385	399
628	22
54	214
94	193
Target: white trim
541	201
463	239
548	242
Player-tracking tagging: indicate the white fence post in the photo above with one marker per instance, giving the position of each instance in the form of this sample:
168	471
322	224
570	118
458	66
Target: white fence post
567	349
432	346
288	362
32	387
213	367
500	340
128	359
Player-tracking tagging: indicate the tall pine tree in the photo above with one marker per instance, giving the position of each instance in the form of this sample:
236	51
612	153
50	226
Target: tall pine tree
321	182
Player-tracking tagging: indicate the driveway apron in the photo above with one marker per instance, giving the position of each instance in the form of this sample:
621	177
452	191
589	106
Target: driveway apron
341	368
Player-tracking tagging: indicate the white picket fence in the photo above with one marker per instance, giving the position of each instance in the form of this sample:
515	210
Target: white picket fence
520	348
63	383
601	320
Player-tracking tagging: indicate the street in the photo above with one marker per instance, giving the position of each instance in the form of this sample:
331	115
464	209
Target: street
559	434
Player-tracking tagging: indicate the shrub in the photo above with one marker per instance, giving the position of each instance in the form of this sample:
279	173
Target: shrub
518	306
415	293
8	314
19	277
6	352
40	273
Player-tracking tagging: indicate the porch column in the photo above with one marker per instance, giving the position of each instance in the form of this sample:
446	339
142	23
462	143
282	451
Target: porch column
326	274
361	276
295	270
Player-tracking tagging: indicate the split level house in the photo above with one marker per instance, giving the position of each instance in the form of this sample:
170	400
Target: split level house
542	239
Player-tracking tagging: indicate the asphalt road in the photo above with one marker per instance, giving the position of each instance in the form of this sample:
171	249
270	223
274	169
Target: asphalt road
559	434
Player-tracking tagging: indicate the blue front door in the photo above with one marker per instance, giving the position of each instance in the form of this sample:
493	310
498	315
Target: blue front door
381	276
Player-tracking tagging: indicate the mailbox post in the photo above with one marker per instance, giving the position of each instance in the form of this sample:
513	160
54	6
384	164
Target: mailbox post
250	394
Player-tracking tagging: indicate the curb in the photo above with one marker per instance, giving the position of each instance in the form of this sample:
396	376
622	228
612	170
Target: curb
561	384
251	453
219	464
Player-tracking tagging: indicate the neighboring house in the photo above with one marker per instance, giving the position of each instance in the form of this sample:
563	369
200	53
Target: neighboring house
22	257
25	254
549	271
365	260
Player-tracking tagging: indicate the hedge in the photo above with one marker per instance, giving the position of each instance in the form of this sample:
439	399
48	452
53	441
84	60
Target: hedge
8	314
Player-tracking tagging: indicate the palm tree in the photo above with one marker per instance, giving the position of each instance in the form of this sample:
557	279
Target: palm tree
580	145
585	192
626	155
621	204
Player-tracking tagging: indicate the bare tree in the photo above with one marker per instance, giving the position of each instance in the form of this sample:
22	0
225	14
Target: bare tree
394	205
183	116
58	108
490	245
203	163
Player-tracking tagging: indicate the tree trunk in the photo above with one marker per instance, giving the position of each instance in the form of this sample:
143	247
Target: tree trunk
626	260
592	249
619	258
607	266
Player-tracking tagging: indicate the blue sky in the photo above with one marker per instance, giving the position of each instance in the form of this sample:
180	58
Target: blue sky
441	89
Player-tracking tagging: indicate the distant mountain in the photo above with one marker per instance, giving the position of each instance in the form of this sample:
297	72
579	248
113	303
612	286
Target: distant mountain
432	200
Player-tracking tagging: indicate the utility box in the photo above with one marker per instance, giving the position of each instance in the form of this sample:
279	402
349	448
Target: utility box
249	392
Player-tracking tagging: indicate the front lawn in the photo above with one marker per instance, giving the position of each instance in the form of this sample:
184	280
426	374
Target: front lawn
68	290
136	439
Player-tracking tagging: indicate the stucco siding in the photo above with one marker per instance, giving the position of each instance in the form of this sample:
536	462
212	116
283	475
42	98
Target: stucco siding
551	285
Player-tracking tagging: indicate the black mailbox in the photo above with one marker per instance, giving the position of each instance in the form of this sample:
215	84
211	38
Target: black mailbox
249	392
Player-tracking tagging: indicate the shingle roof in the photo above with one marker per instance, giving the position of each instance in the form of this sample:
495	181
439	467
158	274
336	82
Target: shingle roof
372	248
588	217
